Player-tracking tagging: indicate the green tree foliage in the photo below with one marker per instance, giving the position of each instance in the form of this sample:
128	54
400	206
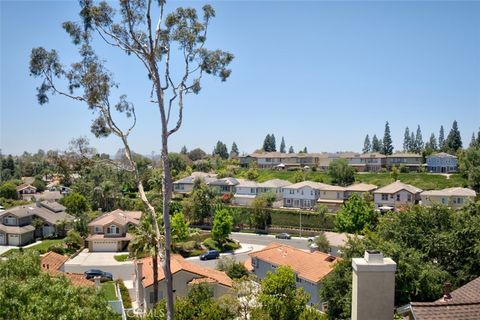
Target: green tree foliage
418	144
299	176
27	293
432	144
269	144
39	184
453	143
200	204
367	146
233	268
199	305
341	173
222	225
290	150
441	139
260	206
178	163
8	191
395	172
234	150
355	215
75	203
321	242
469	166
279	297
387	140
184	150
406	140
376	145
179	227
196	154
73	240
430	246
220	150
283	146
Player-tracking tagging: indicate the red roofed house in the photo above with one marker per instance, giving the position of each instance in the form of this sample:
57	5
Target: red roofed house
109	232
53	263
185	274
310	267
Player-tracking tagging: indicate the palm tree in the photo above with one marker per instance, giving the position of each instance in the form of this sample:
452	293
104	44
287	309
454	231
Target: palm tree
144	243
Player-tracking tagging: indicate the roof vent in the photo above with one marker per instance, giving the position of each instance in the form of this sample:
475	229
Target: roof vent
373	256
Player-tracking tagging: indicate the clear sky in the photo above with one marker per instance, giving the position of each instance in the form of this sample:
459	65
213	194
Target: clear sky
321	74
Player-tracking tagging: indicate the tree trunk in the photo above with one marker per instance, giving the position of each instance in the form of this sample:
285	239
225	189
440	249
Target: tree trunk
155	277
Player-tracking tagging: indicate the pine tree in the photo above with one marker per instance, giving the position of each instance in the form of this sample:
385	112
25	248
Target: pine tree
221	150
375	144
273	143
380	145
406	140
473	142
418	141
413	144
184	150
387	141
282	146
305	150
290	150
441	139
454	139
234	150
266	143
432	143
367	146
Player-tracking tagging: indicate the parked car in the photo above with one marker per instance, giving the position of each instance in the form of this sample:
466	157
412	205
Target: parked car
92	273
211	254
283	236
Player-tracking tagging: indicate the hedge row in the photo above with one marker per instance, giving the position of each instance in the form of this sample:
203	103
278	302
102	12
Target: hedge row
289	218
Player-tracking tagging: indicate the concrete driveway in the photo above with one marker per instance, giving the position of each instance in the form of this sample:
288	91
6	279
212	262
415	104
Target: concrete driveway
104	261
4	249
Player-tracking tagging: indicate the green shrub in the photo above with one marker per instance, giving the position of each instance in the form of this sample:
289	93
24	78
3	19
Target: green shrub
127	302
211	244
57	248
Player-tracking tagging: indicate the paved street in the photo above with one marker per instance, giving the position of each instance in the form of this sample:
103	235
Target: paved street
100	260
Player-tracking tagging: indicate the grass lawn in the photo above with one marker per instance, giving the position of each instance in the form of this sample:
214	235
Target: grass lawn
41	247
425	181
121	257
108	289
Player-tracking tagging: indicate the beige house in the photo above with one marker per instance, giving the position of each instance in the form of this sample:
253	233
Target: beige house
109	232
26	189
396	195
16	227
411	161
185	275
452	197
310	268
359	188
185	185
332	197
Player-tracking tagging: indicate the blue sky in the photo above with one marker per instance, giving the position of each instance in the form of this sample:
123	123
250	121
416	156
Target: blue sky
321	74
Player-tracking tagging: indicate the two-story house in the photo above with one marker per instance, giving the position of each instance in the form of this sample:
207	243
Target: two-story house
412	161
109	232
273	186
441	163
310	268
185	185
332	197
16	227
359	188
185	275
396	195
371	162
451	197
245	192
224	185
302	195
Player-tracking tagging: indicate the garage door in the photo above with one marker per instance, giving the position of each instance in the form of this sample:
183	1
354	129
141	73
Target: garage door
104	246
2	239
13	239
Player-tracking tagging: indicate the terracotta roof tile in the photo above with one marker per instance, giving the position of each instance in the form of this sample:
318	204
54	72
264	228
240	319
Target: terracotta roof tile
52	261
178	263
312	266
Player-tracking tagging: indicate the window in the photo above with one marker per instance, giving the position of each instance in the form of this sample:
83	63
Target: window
444	201
297	279
409	197
98	229
338	195
460	200
255	262
398	197
288	201
274	266
252	190
384	196
391	196
311	192
292	191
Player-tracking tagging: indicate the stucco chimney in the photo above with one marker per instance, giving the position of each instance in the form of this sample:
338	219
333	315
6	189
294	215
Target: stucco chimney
373	287
138	282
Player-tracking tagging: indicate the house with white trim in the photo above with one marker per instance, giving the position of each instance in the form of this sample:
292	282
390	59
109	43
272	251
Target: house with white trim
442	163
395	195
451	197
302	195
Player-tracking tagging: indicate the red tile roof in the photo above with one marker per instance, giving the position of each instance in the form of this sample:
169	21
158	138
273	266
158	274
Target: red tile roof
178	263
52	261
312	266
